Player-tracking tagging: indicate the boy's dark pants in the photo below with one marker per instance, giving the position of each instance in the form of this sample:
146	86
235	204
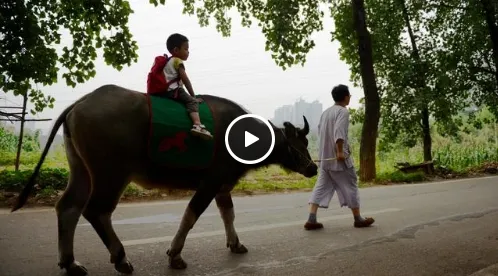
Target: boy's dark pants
182	96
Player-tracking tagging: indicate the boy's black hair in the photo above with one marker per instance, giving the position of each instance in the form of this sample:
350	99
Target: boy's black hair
340	92
175	40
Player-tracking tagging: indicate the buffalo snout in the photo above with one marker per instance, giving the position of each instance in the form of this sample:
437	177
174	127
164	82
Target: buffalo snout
311	171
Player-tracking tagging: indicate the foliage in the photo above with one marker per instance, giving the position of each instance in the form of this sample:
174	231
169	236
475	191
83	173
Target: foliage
459	158
464	48
399	177
407	82
30	29
27	158
474	143
287	24
9	141
55	178
357	116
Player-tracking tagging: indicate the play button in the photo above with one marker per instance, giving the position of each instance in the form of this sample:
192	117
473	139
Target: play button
249	139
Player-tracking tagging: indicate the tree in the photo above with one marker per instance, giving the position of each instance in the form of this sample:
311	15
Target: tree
490	9
372	99
288	26
420	84
469	49
412	82
30	29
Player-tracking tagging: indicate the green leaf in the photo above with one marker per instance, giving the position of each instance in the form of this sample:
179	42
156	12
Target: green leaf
28	55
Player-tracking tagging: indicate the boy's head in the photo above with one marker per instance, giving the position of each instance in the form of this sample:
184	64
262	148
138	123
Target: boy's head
177	45
340	94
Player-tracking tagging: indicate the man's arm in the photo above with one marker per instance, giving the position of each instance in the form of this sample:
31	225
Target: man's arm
340	150
340	133
185	80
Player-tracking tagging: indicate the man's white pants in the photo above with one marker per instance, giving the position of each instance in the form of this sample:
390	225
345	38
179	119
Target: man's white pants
345	183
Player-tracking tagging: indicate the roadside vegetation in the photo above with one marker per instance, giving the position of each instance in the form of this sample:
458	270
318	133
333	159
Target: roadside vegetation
472	150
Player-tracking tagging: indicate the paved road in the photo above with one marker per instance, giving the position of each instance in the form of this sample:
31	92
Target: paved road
448	228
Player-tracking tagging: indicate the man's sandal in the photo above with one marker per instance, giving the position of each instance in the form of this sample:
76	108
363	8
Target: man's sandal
364	223
312	225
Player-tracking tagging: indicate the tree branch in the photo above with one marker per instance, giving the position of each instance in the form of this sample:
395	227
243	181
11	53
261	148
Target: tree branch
478	69
444	5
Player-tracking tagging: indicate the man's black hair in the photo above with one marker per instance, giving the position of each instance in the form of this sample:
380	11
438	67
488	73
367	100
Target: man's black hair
175	40
340	92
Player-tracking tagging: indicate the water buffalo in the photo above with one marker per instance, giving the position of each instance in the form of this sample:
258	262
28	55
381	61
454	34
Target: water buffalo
106	134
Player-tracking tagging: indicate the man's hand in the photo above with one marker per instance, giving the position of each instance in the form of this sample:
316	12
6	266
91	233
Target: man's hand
199	100
339	150
340	156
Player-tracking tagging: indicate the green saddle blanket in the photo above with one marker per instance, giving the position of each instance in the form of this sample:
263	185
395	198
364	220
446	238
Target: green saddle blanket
170	142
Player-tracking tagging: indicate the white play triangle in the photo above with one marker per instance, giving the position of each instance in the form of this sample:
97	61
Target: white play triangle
249	139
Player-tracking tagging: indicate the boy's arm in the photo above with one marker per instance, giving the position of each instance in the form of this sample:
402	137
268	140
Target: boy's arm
185	79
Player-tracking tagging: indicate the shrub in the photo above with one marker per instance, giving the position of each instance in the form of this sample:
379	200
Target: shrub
27	158
14	181
9	140
400	177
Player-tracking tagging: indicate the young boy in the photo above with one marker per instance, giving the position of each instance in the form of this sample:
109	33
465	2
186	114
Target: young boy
178	45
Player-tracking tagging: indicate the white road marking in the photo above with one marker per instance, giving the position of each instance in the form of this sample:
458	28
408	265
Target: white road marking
6	211
434	183
176	218
250	228
26	211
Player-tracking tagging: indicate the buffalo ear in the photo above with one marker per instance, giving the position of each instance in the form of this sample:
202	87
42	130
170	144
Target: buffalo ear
290	130
306	129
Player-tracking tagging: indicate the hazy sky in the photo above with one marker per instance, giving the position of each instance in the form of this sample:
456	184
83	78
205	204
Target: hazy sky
236	67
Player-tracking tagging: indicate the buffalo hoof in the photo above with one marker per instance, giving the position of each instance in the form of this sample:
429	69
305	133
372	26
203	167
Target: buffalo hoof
238	249
125	267
177	263
76	269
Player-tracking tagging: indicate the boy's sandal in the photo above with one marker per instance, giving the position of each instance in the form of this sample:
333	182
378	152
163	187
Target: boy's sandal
201	130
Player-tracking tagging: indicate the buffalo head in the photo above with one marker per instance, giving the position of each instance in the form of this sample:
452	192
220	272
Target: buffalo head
293	152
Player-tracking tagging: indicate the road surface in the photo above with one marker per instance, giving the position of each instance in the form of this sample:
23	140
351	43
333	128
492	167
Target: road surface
445	228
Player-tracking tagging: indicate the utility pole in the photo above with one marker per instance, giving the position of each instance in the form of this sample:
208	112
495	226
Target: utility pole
21	134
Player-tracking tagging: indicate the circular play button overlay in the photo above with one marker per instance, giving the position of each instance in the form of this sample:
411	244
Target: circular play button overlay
250	139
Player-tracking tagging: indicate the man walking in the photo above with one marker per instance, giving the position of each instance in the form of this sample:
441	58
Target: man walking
336	175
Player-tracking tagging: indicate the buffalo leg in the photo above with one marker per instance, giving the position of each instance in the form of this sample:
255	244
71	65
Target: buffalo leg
197	205
102	203
69	208
225	205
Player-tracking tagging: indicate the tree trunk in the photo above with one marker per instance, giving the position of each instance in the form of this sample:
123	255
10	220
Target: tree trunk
21	134
427	135
421	83
372	99
489	11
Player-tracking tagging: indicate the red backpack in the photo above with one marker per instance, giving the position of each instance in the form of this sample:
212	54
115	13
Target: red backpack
156	81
